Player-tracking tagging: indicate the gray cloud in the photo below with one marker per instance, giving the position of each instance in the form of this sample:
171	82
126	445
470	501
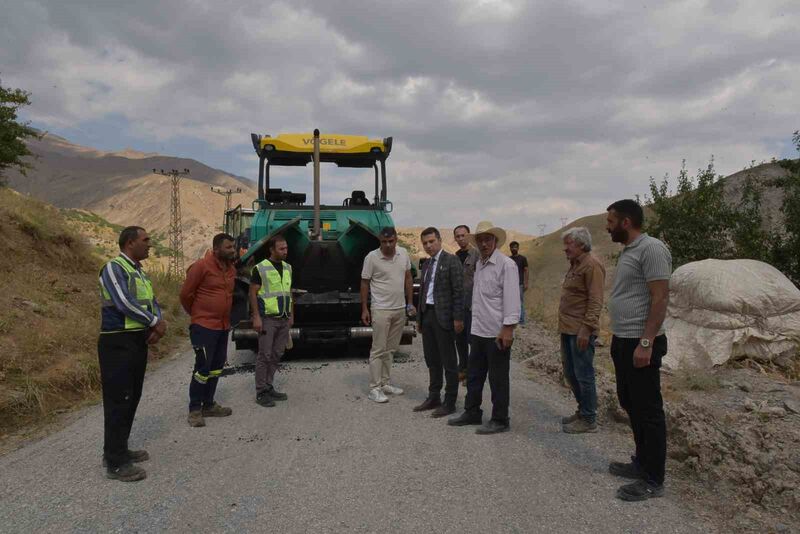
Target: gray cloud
524	112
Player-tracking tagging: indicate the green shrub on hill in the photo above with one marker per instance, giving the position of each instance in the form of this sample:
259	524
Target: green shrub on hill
697	223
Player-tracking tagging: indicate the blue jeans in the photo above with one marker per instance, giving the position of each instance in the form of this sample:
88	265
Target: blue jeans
522	303
579	370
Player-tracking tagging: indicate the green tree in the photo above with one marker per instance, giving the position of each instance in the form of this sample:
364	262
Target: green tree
13	133
787	243
697	223
749	230
694	221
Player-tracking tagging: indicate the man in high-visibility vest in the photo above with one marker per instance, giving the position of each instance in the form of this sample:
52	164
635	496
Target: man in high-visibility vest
130	321
272	311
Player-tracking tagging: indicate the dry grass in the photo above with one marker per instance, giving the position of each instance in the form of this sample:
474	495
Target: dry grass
49	314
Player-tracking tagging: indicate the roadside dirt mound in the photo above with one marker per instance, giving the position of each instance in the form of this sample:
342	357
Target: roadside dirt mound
734	433
743	440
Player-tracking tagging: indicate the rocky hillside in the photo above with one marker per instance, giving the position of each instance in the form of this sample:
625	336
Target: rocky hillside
772	196
122	188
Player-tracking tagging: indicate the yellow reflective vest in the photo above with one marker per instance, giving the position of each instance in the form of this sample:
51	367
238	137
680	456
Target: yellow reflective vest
275	292
140	290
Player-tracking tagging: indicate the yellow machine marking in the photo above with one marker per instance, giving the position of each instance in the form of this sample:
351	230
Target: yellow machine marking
343	144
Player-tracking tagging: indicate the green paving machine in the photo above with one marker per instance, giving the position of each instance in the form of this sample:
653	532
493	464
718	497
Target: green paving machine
327	244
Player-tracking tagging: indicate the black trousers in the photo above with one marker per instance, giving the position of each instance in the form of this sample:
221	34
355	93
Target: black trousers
639	393
123	361
439	347
462	341
210	352
485	357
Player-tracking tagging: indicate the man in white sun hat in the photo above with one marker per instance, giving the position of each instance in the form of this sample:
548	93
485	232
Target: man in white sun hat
495	314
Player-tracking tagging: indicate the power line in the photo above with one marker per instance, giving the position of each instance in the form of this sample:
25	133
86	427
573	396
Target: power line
564	221
175	224
227	193
541	229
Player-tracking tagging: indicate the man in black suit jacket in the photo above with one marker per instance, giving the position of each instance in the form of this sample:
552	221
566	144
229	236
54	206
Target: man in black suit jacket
441	316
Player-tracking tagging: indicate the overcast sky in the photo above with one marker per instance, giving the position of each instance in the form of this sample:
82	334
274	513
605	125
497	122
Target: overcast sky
517	112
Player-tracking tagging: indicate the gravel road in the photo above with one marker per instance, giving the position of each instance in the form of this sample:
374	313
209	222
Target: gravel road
329	460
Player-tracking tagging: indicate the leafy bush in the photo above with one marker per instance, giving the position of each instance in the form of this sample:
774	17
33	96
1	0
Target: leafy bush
13	149
696	222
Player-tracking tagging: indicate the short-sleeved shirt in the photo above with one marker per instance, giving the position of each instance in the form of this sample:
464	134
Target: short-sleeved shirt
522	263
387	278
644	260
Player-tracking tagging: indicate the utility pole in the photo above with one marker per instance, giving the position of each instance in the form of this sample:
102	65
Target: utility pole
563	222
175	225
541	229
227	193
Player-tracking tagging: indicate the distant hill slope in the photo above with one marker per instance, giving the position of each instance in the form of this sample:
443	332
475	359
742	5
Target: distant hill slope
122	188
548	265
772	197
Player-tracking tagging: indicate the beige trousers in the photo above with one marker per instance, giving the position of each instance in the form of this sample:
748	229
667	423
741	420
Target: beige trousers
387	329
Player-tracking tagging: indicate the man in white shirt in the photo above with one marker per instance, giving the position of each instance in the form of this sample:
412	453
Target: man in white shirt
495	314
386	276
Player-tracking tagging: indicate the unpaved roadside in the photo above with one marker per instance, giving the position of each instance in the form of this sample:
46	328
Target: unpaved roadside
734	439
329	460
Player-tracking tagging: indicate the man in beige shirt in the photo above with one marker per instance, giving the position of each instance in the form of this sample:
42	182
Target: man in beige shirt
386	276
578	323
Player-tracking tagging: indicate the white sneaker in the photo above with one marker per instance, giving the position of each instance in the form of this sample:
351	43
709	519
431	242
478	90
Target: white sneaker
375	394
392	390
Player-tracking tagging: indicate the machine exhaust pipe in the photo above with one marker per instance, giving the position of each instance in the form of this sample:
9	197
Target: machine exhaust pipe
354	332
317	230
357	332
248	334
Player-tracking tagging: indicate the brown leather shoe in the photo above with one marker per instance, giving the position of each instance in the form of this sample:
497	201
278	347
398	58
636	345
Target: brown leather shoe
443	411
429	404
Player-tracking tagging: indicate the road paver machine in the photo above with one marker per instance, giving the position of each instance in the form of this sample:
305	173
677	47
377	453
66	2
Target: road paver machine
327	243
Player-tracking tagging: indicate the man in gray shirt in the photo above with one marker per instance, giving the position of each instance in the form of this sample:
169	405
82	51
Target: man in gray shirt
637	307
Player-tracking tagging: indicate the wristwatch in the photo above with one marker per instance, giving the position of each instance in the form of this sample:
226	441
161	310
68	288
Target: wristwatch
645	343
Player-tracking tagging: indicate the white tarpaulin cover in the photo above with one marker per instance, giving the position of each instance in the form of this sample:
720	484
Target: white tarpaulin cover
723	309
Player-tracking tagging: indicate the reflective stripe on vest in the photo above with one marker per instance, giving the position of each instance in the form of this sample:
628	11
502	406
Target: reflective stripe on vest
139	288
276	290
